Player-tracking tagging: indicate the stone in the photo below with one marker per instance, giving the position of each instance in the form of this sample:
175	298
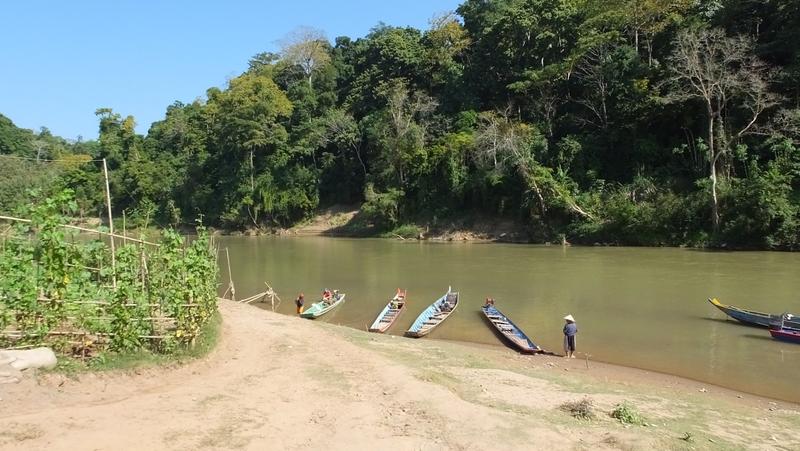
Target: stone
23	359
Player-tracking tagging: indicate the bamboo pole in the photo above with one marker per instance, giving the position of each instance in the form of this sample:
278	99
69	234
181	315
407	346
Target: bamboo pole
230	276
111	229
82	229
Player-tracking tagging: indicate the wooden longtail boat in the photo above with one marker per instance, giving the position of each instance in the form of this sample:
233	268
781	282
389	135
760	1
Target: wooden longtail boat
389	314
434	315
788	329
509	330
750	317
790	335
322	307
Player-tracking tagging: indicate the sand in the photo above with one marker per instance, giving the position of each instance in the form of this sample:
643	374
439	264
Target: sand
278	382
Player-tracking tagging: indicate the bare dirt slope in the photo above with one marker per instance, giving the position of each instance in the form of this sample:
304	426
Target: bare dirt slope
277	382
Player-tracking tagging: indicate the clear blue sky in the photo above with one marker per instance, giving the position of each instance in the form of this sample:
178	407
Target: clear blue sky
61	60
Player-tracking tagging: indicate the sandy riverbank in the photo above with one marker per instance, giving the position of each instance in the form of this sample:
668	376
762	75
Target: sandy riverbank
278	382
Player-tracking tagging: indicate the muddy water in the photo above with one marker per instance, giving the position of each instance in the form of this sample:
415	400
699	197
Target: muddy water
638	307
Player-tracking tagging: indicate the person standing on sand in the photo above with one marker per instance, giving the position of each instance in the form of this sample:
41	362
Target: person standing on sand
299	303
570	330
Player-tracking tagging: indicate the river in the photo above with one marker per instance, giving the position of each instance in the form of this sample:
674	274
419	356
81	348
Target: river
639	307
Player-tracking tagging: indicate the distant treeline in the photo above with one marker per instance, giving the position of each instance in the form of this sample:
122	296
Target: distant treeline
645	122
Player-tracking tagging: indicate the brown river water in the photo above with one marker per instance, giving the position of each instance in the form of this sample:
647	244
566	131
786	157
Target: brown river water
639	307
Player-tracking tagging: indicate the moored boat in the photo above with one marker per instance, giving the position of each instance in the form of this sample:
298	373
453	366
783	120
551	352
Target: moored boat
509	330
324	306
790	335
389	314
749	317
434	315
788	329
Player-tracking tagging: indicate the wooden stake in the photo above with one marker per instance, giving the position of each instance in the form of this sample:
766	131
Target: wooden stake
111	229
230	276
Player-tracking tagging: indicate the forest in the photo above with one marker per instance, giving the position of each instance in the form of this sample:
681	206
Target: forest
630	122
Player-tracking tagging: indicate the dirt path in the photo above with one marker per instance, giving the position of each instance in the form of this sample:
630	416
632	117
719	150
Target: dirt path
277	382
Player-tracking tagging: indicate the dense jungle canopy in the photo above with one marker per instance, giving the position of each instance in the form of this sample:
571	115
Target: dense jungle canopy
645	122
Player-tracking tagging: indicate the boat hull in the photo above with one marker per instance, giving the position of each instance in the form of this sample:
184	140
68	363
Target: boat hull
749	317
320	308
509	331
432	317
787	335
381	324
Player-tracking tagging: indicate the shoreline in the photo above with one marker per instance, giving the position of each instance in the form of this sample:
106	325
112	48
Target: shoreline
646	376
610	367
271	374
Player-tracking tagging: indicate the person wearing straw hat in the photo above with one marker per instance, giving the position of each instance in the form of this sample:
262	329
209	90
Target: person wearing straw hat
570	330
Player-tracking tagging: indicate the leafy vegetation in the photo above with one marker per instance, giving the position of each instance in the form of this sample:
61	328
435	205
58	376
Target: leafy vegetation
64	291
617	121
627	414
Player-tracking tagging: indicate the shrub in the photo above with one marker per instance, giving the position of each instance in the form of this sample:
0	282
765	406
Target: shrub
627	414
582	410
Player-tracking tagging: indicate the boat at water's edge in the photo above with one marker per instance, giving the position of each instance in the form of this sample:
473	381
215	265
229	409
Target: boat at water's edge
510	331
790	335
434	315
749	317
787	329
322	307
389	315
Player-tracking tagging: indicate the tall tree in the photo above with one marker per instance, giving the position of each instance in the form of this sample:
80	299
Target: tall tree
308	48
724	74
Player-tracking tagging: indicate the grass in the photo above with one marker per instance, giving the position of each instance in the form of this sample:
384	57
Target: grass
404	231
109	361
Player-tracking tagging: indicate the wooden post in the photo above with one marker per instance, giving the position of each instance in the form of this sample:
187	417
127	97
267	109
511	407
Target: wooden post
111	229
230	276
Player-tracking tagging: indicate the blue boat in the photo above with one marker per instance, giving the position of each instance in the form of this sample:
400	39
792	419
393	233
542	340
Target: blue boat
509	330
434	315
749	317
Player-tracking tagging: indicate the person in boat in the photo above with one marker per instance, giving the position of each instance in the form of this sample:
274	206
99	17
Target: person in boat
570	330
444	306
299	303
326	295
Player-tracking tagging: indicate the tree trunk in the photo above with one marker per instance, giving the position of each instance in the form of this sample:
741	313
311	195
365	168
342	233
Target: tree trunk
360	160
252	169
712	160
527	173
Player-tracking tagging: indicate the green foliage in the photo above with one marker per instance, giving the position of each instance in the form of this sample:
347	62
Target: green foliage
57	287
576	118
404	231
627	414
382	209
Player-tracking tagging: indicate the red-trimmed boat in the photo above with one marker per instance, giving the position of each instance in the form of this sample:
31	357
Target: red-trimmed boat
787	330
790	335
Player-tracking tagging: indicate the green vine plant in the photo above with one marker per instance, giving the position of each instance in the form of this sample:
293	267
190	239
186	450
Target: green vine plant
59	288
